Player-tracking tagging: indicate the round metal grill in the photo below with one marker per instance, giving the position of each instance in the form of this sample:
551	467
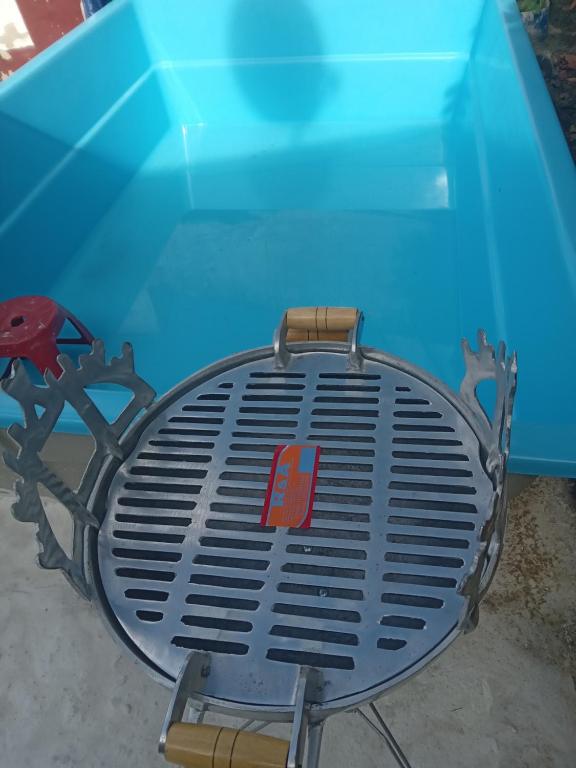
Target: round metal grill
367	594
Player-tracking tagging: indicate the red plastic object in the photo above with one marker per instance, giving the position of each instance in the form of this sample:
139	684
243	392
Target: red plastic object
29	328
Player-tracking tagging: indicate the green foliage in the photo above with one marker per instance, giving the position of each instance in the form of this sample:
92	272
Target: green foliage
532	5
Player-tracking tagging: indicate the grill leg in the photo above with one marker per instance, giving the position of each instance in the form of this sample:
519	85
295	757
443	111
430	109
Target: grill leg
386	735
314	745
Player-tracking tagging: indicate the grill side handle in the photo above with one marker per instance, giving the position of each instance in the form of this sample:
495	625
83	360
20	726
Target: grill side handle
486	364
41	407
197	745
302	324
489	365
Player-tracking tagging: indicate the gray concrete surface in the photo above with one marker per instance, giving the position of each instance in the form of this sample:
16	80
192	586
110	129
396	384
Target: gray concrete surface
503	696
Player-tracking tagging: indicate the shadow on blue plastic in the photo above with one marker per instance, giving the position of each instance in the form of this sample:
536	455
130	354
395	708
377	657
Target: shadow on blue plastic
179	173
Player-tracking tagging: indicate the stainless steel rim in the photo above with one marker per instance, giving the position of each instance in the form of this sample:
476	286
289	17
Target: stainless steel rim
133	435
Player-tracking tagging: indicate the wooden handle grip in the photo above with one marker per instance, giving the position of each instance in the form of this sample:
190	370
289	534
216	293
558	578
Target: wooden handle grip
295	334
210	746
320	323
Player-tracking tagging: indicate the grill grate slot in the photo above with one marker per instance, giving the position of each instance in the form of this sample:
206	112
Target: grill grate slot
417	415
270	410
248	461
417	601
190	457
195	420
351	376
315	612
324	570
347	399
430	471
274	423
154	595
397	485
284	386
426	581
164	488
249	477
427	522
235	509
323	591
319	660
273	398
204	408
341	438
182	444
274	375
198	474
150	616
342	552
436	561
160	538
355	426
343	482
147	554
350	534
427	541
222	543
346	388
242	563
145	573
439	441
266	435
154	519
216	646
433	505
390	643
134	501
248	447
213	622
340	498
216	601
184	431
212	396
402	622
225	581
429	456
422	428
355	413
346	517
319	635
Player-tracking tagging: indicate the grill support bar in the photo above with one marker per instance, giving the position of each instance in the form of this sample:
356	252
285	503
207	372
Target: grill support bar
386	735
188	687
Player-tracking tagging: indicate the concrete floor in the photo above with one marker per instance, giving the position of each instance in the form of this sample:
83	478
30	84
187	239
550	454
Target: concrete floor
503	696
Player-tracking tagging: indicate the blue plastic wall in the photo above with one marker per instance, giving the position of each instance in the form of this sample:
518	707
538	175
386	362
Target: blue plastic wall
178	173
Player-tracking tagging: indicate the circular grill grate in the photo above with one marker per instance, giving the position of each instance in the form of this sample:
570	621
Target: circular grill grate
367	593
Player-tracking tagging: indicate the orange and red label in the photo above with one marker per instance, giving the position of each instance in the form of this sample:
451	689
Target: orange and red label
290	494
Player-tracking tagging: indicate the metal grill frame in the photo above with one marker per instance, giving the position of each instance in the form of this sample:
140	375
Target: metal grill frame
116	442
129	442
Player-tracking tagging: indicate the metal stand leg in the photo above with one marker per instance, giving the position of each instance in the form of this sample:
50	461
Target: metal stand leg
386	735
314	745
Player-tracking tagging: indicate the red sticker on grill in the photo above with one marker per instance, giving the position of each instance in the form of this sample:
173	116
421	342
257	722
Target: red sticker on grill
290	493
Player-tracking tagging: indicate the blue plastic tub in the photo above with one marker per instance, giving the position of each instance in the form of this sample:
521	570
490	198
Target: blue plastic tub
178	172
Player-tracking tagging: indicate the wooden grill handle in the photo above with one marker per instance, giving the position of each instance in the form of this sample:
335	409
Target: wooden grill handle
210	746
320	323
